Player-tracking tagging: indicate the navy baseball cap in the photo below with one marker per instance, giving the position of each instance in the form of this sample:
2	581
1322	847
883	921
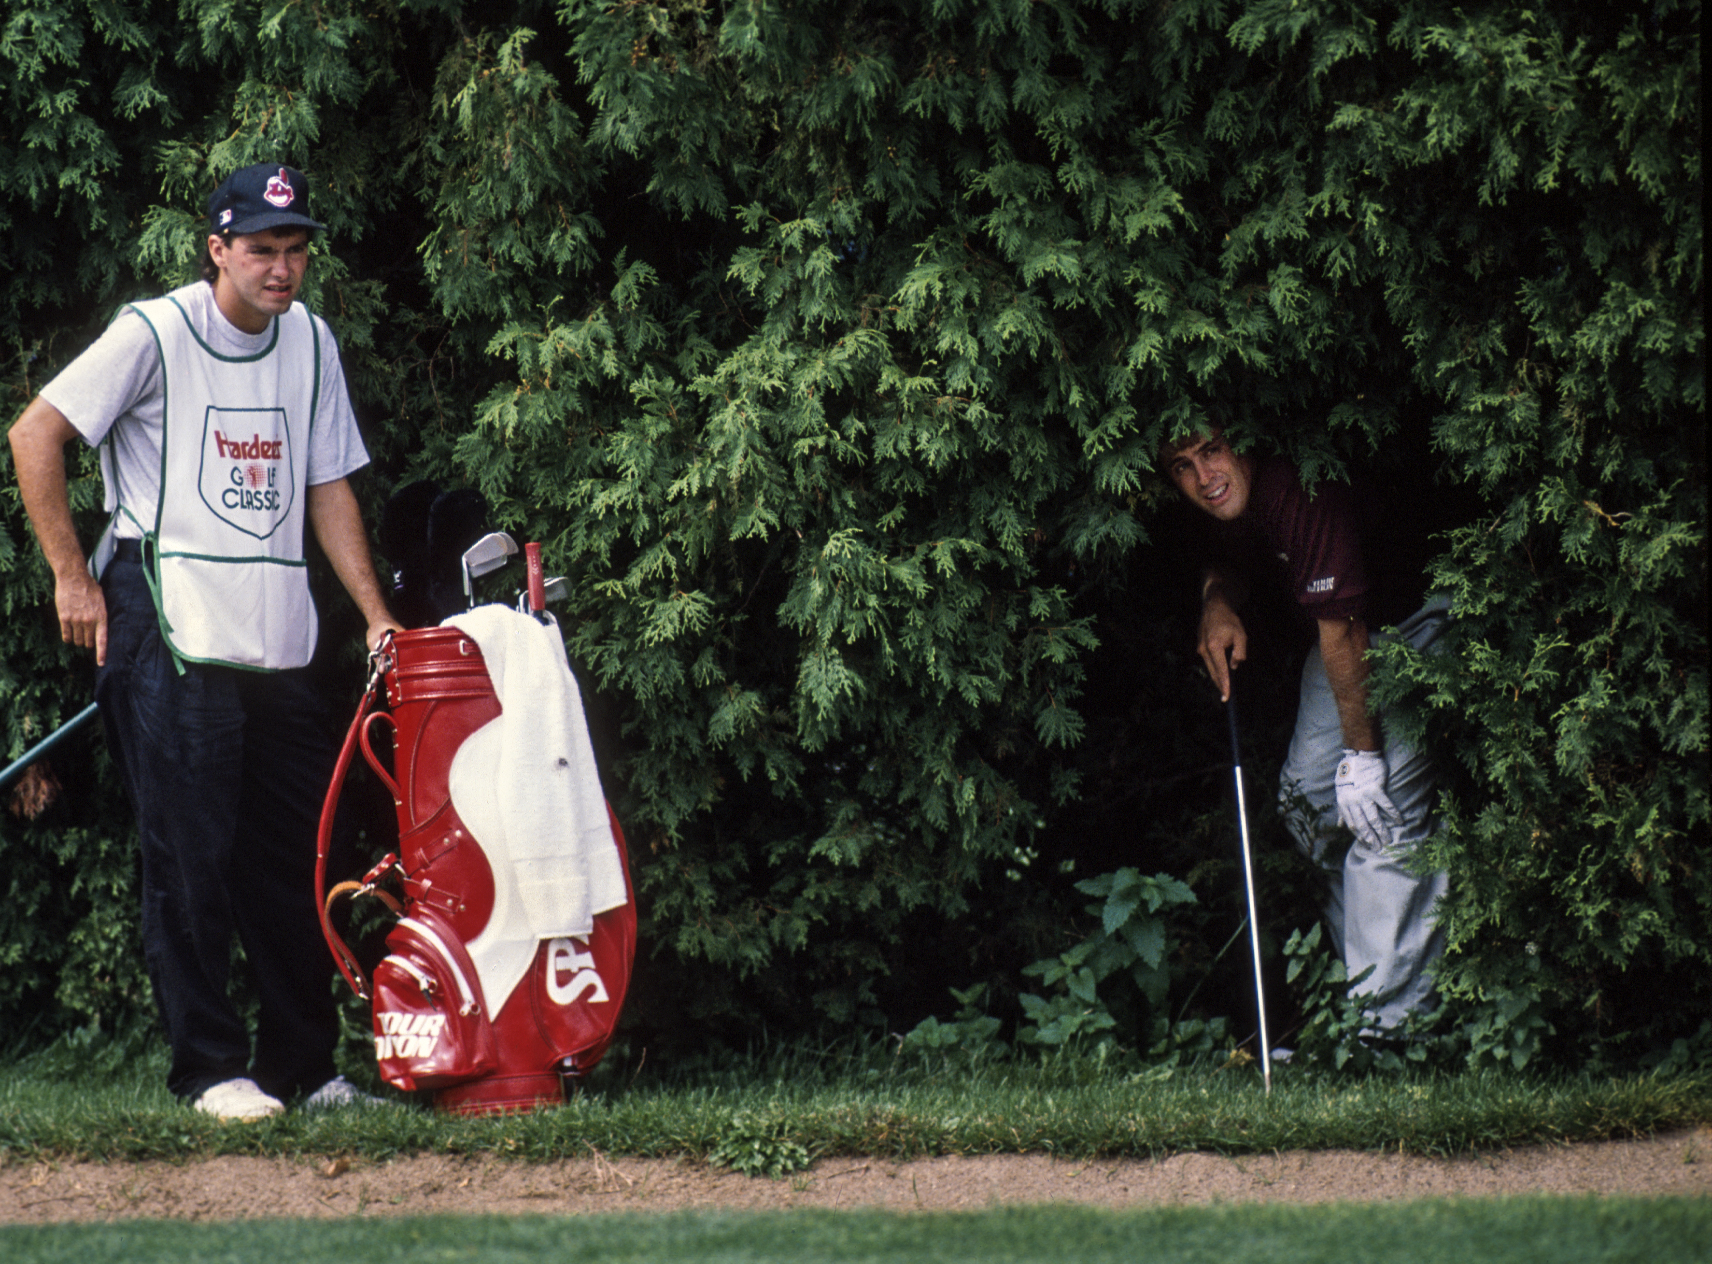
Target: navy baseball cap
257	198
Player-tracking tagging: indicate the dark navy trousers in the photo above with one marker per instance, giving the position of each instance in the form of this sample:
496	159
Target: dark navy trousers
226	770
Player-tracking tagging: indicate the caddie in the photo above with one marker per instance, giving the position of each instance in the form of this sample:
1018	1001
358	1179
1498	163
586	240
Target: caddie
1343	766
224	430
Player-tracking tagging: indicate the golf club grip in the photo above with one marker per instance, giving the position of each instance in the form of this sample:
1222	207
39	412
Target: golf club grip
537	581
1230	714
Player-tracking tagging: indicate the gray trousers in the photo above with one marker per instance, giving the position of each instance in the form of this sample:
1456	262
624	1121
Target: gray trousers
1381	912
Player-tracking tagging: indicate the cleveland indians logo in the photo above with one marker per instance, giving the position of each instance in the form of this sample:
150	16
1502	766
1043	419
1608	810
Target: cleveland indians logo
279	190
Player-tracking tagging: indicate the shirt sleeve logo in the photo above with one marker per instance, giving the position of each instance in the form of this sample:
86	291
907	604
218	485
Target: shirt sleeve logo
246	476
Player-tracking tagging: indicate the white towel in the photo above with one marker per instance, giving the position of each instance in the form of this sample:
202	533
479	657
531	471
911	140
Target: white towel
526	787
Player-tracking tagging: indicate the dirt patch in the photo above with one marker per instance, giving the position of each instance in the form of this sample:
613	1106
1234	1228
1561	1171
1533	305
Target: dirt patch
1678	1163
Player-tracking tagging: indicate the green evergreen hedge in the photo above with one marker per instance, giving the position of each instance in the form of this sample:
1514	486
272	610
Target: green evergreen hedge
826	346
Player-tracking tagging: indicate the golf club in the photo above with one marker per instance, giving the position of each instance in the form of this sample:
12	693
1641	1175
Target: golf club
483	557
540	590
41	748
553	591
1248	881
537	578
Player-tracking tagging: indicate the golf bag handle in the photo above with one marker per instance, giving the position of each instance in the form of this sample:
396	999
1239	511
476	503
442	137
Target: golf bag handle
380	661
368	751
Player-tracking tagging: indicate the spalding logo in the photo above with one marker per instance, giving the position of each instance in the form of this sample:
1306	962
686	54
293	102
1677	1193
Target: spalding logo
279	190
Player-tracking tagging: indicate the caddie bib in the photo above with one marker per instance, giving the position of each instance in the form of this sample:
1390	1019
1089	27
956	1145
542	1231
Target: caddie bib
225	554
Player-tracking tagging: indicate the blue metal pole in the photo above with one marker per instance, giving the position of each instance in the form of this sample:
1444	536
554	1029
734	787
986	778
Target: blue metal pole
41	748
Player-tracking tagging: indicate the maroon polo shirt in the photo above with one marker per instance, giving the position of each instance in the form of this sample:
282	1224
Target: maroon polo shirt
1317	539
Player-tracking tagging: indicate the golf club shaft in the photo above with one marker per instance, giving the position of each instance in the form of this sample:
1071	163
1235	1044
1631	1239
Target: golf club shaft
42	747
1248	883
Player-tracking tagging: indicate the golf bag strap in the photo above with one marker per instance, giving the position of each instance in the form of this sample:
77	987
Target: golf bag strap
380	662
348	890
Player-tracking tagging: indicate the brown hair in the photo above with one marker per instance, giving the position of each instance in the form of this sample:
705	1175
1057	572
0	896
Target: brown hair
206	269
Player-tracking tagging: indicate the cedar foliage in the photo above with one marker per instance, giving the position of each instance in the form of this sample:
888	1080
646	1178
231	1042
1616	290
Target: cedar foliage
826	348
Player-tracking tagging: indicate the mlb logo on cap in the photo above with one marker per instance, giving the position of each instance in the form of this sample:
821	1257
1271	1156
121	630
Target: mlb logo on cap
260	197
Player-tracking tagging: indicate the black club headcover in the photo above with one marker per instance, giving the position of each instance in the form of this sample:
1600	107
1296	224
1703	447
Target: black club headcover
404	542
456	520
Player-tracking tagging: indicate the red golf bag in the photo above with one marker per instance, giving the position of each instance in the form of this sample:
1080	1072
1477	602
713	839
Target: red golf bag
435	1026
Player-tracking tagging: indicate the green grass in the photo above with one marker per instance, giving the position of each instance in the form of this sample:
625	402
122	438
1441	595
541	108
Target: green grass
1566	1231
770	1114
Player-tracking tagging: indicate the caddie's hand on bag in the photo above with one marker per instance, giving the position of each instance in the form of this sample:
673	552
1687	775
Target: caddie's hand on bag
1364	808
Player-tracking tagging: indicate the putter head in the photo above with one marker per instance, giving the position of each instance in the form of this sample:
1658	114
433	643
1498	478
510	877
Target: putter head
484	557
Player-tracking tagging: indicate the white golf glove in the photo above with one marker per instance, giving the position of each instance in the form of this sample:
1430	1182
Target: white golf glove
1363	807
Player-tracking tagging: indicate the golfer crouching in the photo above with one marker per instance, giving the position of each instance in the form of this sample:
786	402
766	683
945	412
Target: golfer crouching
1342	766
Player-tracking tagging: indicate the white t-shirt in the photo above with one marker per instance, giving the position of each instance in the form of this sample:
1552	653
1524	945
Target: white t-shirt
116	385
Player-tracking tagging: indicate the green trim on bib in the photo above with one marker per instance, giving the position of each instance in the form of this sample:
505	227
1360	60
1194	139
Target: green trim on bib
166	404
151	577
314	393
228	359
150	538
220	557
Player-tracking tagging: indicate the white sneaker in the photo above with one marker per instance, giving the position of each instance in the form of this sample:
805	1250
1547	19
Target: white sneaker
240	1099
339	1092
